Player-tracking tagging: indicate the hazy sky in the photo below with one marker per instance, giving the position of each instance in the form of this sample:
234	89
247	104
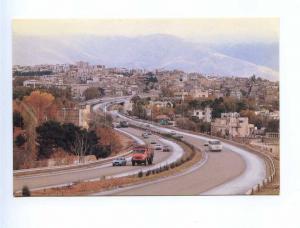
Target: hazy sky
205	30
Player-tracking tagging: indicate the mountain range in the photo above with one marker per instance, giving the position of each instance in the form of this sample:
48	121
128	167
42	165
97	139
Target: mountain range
156	51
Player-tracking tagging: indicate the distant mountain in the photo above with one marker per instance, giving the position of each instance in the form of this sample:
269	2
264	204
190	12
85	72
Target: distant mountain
261	53
149	52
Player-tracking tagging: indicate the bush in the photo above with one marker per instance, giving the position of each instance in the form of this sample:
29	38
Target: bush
140	174
20	140
153	171
172	166
25	191
148	173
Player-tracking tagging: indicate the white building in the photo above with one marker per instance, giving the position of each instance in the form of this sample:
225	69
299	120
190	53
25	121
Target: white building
203	114
231	124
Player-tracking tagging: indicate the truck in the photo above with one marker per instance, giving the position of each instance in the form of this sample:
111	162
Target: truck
142	155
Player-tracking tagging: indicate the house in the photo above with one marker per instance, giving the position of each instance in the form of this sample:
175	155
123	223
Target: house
203	114
162	119
232	125
236	93
79	116
198	93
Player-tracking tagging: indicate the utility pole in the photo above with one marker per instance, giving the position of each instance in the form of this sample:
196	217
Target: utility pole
105	114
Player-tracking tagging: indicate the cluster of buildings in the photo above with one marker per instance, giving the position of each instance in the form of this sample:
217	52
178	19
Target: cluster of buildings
175	84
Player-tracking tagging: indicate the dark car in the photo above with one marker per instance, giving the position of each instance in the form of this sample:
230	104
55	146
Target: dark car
166	149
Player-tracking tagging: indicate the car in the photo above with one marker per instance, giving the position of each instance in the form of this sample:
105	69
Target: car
178	136
145	135
158	147
166	149
121	161
214	145
172	133
152	142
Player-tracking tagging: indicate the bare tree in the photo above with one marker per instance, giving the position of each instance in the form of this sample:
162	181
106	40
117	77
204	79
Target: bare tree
80	146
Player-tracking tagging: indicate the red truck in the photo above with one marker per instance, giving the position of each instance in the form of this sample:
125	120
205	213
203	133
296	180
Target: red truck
142	155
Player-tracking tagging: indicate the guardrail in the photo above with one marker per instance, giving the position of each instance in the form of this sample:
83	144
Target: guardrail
25	172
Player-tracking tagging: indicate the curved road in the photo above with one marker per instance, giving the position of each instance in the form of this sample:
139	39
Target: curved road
65	177
230	172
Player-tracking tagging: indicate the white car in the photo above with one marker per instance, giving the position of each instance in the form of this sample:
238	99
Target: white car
214	145
145	135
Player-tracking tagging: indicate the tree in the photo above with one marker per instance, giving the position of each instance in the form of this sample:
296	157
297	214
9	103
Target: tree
273	126
19	92
20	140
25	191
71	138
93	92
40	102
166	92
18	120
108	139
50	137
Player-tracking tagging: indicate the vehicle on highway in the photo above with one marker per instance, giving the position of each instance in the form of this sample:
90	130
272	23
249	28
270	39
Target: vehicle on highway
142	155
166	149
214	145
121	161
158	147
172	133
178	136
122	124
145	135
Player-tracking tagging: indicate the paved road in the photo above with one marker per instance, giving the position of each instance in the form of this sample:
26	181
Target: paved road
57	178
232	171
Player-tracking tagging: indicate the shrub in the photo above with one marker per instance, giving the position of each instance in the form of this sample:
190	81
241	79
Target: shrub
148	173
172	166
20	140
153	171
25	191
140	174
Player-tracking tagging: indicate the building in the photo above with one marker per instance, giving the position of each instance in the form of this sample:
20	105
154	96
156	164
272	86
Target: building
77	90
198	93
79	116
203	114
232	125
236	93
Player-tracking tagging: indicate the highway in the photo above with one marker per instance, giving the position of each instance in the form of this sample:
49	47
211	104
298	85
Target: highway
65	177
230	172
